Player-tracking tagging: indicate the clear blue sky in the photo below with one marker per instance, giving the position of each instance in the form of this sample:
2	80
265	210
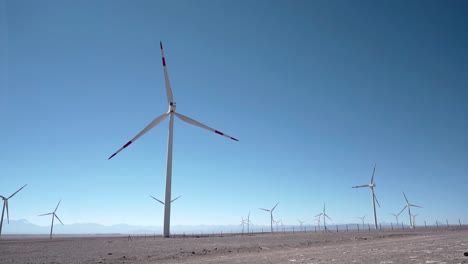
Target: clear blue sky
316	92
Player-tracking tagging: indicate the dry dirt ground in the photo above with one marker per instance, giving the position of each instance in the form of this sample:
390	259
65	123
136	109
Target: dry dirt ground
399	246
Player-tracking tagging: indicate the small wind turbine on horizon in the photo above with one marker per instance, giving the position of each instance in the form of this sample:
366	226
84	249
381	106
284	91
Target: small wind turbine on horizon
300	223
318	222
414	220
408	205
170	113
271	215
324	215
54	215
372	185
362	219
396	216
248	222
5	205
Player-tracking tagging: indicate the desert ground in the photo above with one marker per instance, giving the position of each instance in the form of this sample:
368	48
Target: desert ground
431	245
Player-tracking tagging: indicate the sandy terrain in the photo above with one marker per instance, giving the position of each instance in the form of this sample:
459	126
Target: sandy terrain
402	246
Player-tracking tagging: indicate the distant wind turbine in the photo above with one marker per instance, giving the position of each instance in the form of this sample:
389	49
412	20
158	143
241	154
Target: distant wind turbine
324	215
271	215
248	222
414	220
5	205
396	216
362	219
318	222
300	223
408	205
54	215
170	113
372	185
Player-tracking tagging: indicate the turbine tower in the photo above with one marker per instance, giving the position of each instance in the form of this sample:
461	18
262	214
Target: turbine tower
408	205
324	215
170	113
5	205
271	215
54	215
372	185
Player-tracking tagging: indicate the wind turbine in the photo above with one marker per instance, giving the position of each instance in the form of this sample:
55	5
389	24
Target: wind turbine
271	215
408	205
362	219
414	220
300	223
372	185
277	222
396	216
170	113
243	223
248	223
54	215
318	222
5	205
324	215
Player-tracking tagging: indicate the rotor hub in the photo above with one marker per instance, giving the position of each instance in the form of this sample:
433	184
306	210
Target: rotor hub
172	107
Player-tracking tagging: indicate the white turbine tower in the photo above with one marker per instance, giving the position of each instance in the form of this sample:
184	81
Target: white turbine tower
271	215
170	113
372	185
408	205
5	205
324	215
54	215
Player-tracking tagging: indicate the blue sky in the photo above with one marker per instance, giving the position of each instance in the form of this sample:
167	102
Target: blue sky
316	92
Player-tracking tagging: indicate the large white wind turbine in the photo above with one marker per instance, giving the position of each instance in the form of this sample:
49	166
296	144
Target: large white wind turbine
271	215
54	215
372	185
5	205
408	205
170	113
324	215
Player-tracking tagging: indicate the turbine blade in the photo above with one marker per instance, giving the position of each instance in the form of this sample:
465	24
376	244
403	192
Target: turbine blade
372	178
45	214
170	98
264	209
319	215
328	217
175	199
361	186
275	206
196	123
402	209
157	200
416	205
153	123
405	198
57	205
375	197
17	191
3	197
58	218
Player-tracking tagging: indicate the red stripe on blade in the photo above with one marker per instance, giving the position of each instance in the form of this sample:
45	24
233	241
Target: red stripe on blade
128	143
164	61
220	133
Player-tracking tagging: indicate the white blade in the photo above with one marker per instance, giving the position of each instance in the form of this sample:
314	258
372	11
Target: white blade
416	205
375	197
58	218
328	217
275	206
46	214
360	186
264	209
319	215
196	123
175	199
57	206
402	209
372	178
170	99
153	123
157	199
17	191
405	198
